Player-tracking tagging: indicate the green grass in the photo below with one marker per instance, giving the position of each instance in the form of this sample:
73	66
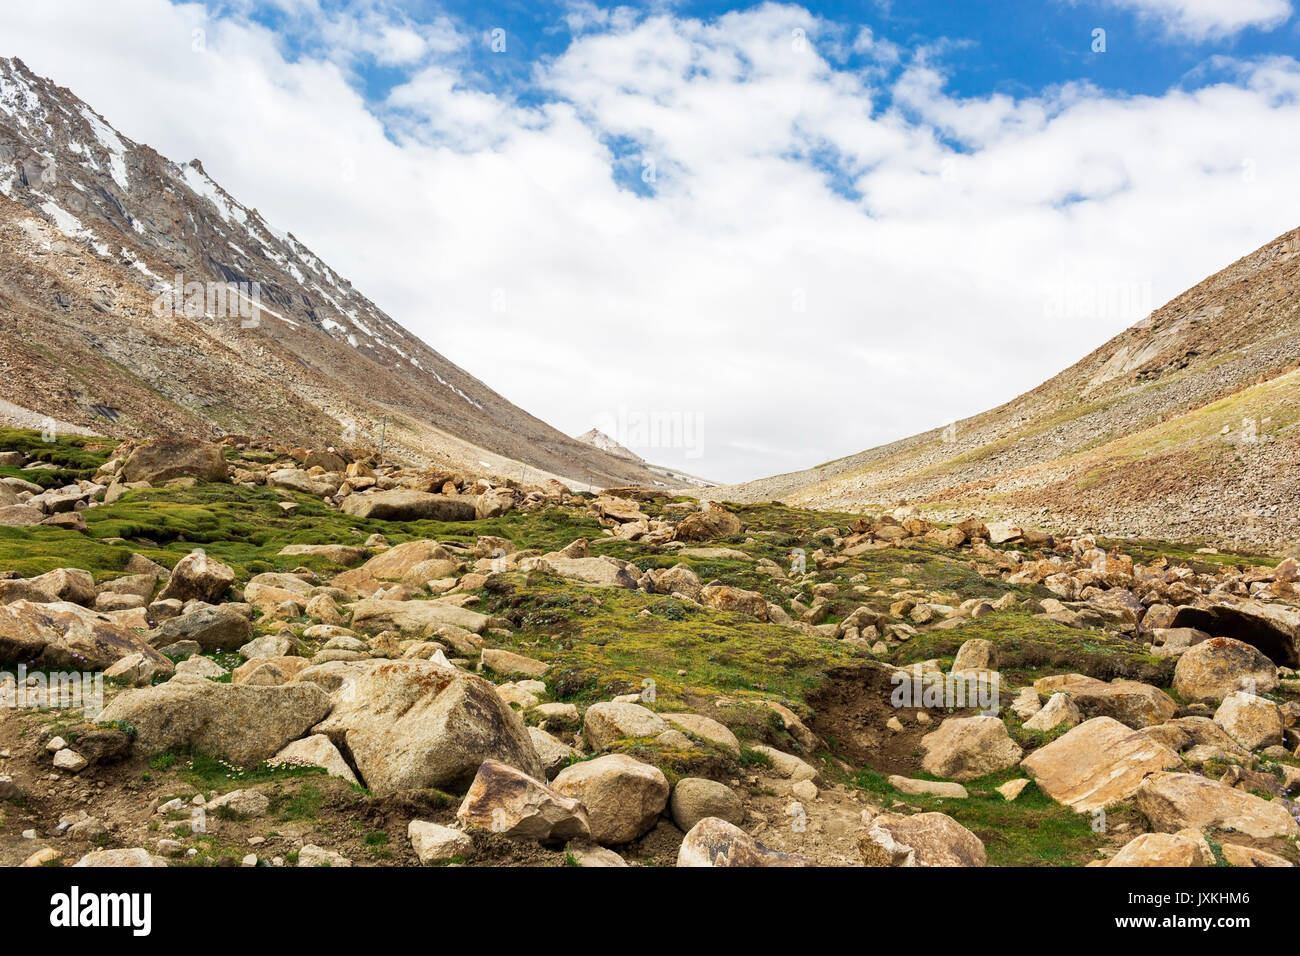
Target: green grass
600	645
78	456
1032	830
1031	647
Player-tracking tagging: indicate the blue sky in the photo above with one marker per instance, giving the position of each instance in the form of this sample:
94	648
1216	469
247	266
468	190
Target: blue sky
801	229
1015	47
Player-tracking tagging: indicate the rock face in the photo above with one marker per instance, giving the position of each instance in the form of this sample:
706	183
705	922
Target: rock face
411	724
715	842
967	747
507	801
623	796
63	635
1097	764
922	839
198	577
401	505
1176	801
1213	669
241	723
166	458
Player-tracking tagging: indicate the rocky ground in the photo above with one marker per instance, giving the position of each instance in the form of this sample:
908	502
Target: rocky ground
314	659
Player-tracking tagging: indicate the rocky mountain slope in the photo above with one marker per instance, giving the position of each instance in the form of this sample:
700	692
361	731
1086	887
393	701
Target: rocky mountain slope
94	228
1182	427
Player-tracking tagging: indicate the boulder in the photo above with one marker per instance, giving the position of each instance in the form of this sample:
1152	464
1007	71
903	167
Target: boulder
296	479
714	524
553	754
134	856
243	724
334	553
315	751
715	842
695	798
510	664
1177	801
136	670
63	635
922	839
1213	669
1165	849
706	729
1252	721
163	459
976	654
1097	764
1130	702
412	724
402	505
217	628
967	747
623	796
1059	711
1273	629
723	597
269	671
434	843
608	721
414	617
494	503
198	577
66	584
508	801
602	571
394	564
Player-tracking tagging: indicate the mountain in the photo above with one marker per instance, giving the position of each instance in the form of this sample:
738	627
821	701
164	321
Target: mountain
138	297
666	477
1183	427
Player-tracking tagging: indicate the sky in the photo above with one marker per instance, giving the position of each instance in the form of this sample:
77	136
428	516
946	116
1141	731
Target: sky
742	239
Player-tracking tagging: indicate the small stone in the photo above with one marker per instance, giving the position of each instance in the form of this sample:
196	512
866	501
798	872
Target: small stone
1012	788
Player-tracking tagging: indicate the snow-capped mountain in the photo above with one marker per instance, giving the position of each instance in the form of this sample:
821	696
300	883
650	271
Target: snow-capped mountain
137	296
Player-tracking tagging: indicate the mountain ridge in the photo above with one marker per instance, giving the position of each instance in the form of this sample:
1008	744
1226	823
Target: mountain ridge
94	228
1182	425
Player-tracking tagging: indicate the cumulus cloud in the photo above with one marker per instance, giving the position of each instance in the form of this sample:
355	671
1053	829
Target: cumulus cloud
714	223
1206	19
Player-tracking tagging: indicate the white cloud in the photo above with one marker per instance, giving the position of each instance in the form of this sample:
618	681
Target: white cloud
823	263
1206	19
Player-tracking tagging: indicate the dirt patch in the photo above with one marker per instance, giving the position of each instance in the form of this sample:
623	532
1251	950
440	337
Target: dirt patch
851	710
